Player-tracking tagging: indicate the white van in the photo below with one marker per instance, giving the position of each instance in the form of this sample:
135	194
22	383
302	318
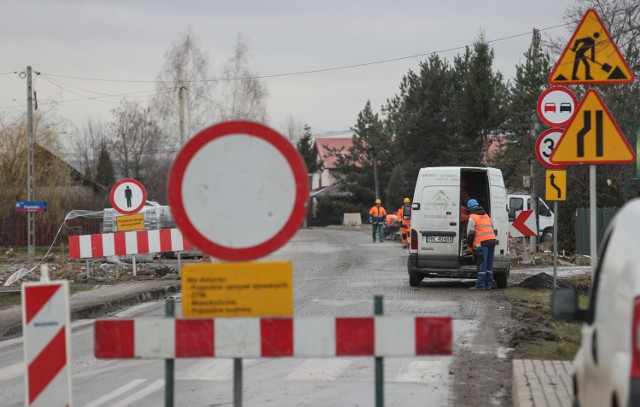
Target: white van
437	249
517	201
607	365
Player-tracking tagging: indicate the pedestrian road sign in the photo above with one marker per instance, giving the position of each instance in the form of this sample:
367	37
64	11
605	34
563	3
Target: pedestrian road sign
556	185
591	57
128	196
592	137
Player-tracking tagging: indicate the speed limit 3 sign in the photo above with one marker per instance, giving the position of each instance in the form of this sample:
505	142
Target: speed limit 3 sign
545	144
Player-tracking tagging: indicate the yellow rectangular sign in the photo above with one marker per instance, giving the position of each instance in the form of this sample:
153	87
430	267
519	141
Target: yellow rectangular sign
556	185
248	289
130	222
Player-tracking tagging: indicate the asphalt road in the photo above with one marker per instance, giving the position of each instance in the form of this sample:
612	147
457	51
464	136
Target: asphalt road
337	272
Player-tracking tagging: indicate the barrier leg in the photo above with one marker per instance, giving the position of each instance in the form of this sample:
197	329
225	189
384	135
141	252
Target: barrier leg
379	369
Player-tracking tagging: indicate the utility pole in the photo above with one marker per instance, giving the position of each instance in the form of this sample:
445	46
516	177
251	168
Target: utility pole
535	130
31	225
181	89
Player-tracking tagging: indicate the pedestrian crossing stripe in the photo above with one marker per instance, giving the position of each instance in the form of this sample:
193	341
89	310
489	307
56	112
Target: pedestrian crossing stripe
591	57
592	137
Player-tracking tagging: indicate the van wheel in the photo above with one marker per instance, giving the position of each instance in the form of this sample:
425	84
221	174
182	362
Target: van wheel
547	235
501	280
415	278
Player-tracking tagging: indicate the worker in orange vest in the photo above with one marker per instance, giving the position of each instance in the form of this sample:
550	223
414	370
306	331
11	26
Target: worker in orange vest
405	224
482	235
377	218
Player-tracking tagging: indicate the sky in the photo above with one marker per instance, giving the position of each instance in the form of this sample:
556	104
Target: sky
91	53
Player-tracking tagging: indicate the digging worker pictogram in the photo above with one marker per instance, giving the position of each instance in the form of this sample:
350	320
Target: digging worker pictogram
581	46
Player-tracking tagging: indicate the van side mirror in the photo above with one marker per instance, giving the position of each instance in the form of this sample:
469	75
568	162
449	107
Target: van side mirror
512	214
406	212
415	206
564	305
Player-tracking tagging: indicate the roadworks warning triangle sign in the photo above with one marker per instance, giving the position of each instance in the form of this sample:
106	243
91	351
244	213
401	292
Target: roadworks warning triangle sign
592	137
591	57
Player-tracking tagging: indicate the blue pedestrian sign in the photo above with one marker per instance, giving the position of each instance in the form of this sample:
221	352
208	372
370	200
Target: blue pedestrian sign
31	206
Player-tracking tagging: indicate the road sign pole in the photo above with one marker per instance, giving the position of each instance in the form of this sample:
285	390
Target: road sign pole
169	364
237	382
592	220
555	246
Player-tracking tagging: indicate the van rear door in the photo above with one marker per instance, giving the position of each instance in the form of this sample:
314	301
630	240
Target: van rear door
439	237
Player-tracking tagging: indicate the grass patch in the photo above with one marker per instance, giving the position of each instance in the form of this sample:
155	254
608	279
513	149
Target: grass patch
540	335
8	299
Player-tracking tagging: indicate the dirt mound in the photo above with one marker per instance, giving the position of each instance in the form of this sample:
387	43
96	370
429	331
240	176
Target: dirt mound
541	281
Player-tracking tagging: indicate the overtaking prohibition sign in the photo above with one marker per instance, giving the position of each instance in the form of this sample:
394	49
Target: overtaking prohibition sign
238	190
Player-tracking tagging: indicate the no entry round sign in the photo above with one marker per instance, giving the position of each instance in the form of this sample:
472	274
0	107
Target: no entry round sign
238	190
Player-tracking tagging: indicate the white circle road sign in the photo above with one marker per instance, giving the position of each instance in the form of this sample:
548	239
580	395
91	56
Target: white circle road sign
556	106
238	190
545	144
128	196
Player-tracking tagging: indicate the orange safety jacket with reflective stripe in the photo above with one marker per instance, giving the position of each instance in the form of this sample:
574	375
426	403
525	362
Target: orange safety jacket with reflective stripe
377	214
483	229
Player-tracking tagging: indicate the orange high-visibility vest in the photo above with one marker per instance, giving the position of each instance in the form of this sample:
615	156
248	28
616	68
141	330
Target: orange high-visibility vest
378	214
483	228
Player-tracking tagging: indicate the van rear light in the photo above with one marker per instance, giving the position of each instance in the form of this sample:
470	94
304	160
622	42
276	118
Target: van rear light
635	341
414	240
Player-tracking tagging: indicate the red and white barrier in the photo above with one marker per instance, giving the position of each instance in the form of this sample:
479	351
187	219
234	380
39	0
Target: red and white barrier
121	243
45	318
272	337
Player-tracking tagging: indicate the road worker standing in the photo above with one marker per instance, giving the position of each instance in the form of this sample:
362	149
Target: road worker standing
482	239
405	225
377	218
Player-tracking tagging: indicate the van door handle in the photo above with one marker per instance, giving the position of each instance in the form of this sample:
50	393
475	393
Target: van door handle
594	346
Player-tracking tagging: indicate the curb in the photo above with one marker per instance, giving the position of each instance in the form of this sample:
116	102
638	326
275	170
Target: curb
13	327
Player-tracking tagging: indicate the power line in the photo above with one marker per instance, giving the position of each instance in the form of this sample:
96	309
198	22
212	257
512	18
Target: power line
311	71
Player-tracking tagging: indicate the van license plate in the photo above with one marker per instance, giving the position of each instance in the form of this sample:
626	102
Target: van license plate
439	239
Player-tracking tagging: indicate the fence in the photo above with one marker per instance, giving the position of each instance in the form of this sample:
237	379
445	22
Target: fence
603	217
14	232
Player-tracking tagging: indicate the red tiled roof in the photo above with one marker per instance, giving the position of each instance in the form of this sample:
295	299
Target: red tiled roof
325	145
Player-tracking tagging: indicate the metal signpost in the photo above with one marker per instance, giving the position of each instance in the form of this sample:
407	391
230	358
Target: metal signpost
252	172
556	190
592	137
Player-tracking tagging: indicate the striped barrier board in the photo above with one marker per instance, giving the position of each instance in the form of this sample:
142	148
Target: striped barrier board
45	319
381	336
122	243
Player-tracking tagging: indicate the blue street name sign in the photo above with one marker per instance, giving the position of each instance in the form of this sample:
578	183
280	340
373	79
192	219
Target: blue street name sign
31	206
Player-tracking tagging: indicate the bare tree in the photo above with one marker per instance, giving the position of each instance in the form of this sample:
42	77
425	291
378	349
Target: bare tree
54	179
240	94
87	147
182	104
136	140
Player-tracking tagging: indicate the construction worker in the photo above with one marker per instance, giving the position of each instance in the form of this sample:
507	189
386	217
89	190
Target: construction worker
377	218
480	232
405	225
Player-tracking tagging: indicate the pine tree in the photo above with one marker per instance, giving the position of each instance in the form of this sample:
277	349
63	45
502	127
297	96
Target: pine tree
308	151
105	174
